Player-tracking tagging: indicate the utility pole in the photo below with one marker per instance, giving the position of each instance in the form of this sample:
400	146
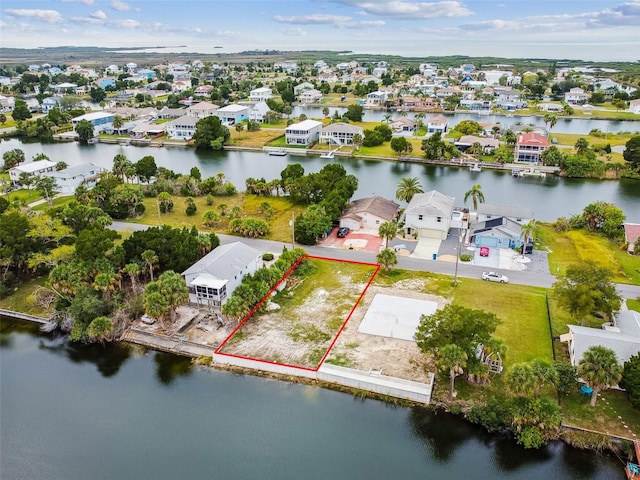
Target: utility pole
292	222
461	236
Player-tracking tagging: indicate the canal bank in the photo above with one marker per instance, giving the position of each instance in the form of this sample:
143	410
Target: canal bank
75	412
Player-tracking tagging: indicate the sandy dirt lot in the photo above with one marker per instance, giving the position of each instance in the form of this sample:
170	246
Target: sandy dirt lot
299	335
396	358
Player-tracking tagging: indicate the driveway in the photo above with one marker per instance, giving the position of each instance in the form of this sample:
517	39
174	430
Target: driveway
427	248
492	261
354	241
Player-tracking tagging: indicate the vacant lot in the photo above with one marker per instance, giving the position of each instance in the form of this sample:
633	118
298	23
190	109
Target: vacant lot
299	324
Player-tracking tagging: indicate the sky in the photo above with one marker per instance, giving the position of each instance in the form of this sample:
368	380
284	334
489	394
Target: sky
589	30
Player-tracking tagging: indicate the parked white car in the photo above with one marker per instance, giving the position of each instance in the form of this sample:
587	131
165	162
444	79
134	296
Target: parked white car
494	277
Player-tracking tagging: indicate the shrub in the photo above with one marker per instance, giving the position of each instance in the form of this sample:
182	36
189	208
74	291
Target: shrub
465	257
191	209
267	257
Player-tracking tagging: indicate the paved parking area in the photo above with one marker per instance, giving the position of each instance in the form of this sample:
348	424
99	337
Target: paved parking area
354	241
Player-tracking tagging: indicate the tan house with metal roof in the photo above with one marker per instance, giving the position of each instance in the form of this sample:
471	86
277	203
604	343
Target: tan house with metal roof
429	214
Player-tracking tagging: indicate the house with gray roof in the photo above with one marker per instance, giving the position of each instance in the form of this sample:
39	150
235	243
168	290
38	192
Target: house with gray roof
622	336
429	215
33	169
499	226
340	133
70	178
258	112
213	278
183	127
365	215
516	213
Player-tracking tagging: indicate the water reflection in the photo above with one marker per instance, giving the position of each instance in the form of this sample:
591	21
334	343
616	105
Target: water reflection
442	434
169	367
511	456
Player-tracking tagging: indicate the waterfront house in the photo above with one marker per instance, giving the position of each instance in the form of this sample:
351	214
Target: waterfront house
303	133
49	103
365	215
298	89
33	169
488	144
202	110
106	82
634	106
70	178
233	113
202	91
376	99
258	112
310	96
260	94
428	215
622	336
529	147
340	133
99	120
437	124
213	278
183	128
631	235
575	96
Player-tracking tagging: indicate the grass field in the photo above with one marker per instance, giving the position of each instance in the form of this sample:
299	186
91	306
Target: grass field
521	309
567	248
20	300
279	228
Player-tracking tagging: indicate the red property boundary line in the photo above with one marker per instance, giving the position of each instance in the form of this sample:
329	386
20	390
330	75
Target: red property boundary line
284	277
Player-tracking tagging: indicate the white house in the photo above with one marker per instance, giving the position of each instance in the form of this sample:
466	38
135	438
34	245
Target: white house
529	147
301	87
622	336
99	120
33	169
182	128
403	125
260	94
202	110
68	179
429	215
340	133
437	124
634	106
575	95
376	98
488	144
49	103
310	96
213	278
303	133
259	111
232	114
365	215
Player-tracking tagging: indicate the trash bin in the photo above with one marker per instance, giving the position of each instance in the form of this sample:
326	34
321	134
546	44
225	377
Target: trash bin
435	256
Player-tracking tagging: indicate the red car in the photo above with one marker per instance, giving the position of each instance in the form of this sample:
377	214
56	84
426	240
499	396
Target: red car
484	251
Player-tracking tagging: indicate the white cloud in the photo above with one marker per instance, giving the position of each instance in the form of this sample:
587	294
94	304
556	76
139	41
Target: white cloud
412	10
293	31
325	19
86	2
121	6
48	16
99	14
127	23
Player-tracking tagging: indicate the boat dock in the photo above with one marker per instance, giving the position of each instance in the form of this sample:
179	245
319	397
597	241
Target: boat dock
633	469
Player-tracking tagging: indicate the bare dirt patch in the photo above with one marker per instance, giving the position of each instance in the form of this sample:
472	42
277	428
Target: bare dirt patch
395	357
301	322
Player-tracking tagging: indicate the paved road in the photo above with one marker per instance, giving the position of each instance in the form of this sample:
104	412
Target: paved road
409	263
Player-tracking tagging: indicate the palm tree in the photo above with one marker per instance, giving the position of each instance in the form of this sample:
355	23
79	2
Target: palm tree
387	257
388	231
526	232
599	368
453	358
118	122
582	145
133	270
475	149
386	118
325	112
476	196
551	119
150	258
357	140
543	373
521	378
407	188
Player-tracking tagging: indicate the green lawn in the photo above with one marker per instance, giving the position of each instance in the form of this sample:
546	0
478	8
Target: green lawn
522	309
23	196
571	138
249	206
568	248
20	300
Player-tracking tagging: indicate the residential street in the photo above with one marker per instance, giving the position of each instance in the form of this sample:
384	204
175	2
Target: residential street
464	270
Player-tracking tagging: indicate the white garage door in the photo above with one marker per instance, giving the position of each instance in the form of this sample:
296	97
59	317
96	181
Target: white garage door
431	233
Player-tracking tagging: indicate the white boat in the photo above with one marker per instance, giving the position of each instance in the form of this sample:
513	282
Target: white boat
475	168
278	153
327	155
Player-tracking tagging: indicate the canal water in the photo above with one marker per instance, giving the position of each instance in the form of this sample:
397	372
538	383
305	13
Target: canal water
549	197
102	412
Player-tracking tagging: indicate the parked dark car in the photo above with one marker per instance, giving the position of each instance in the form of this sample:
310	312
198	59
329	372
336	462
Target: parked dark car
342	232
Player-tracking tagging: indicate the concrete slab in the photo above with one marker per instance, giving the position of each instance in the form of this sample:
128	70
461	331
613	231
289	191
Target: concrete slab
426	247
395	317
